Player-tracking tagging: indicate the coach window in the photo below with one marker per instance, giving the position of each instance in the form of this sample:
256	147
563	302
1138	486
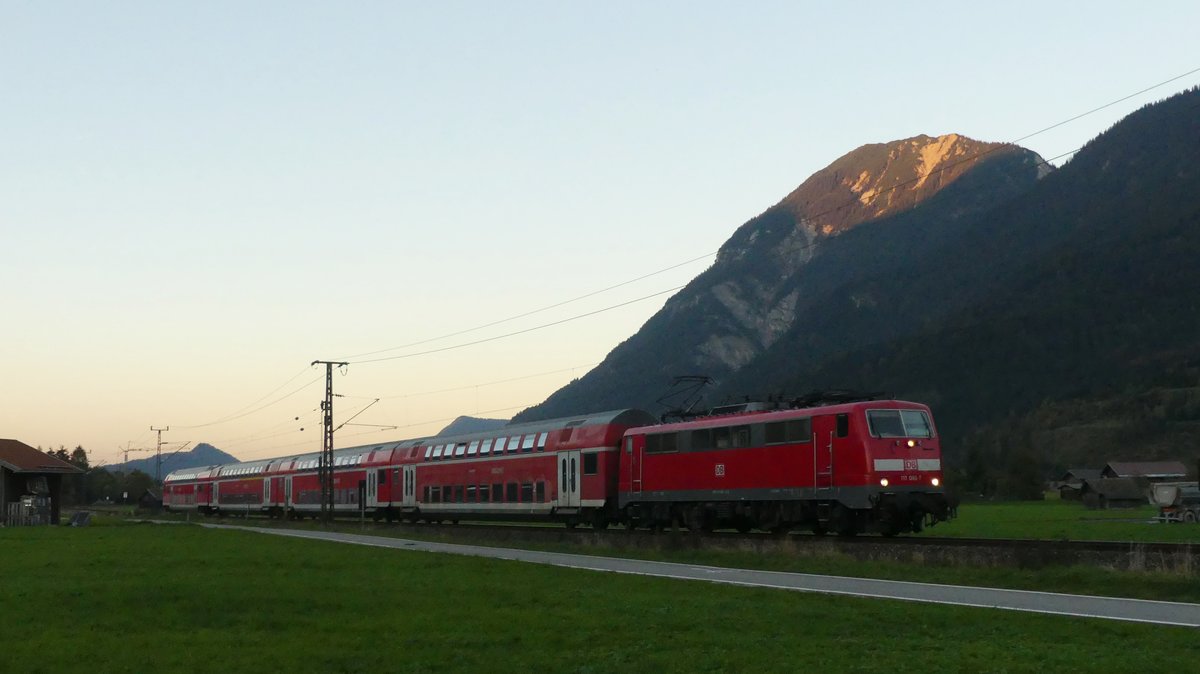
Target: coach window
458	494
510	492
473	448
498	445
497	493
513	443
484	497
541	492
460	449
435	495
526	492
541	442
437	452
527	446
591	464
382	476
485	447
471	493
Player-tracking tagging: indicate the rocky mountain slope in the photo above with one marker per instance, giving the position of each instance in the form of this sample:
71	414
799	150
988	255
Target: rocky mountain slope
778	271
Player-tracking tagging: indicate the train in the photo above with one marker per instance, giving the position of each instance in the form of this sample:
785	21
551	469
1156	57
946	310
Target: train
863	466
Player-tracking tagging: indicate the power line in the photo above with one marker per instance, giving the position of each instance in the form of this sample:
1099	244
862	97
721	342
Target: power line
518	332
469	387
258	409
1107	105
535	311
237	413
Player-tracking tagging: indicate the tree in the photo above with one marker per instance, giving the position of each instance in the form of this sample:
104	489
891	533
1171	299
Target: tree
136	483
79	457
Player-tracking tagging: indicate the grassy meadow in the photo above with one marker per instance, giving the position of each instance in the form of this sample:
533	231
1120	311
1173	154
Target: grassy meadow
182	598
1054	519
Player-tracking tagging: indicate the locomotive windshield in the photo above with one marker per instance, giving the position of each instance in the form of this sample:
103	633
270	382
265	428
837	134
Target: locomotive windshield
899	424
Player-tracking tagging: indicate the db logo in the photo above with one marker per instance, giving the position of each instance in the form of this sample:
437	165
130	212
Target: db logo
910	464
719	470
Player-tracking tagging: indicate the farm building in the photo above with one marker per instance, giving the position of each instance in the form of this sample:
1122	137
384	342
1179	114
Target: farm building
150	500
1154	471
1116	492
30	484
1071	485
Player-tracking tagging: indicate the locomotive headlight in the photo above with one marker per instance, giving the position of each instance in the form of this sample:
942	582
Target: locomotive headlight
912	443
883	482
935	482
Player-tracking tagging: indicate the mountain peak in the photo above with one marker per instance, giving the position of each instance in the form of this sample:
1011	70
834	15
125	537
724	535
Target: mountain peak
883	179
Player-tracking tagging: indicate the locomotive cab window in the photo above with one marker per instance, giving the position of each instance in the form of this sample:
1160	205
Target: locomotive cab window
899	424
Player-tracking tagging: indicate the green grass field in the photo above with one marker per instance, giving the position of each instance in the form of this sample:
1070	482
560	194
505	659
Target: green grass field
1063	520
181	598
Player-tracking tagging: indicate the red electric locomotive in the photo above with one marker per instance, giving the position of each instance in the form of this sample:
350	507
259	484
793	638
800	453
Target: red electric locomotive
851	467
861	466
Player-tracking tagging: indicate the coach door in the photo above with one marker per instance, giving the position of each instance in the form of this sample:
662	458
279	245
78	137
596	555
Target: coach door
287	491
568	479
410	487
372	489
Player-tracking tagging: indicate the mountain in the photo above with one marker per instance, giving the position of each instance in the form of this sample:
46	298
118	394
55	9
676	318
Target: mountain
874	211
1049	317
465	424
1084	348
202	454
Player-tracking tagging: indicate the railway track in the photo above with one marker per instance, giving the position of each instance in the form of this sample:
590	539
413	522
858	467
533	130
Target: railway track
559	533
913	549
620	537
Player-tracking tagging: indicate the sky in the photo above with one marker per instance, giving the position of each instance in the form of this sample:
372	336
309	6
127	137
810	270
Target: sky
197	200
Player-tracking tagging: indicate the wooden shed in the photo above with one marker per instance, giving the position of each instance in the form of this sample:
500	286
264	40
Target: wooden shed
30	484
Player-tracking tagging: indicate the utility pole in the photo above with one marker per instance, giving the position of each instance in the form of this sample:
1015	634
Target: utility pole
158	455
325	467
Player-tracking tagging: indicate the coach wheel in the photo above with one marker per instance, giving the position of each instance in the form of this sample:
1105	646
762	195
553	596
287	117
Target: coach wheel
571	522
743	525
1189	516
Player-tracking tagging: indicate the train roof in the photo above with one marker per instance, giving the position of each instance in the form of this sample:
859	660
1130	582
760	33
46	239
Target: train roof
763	416
628	417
